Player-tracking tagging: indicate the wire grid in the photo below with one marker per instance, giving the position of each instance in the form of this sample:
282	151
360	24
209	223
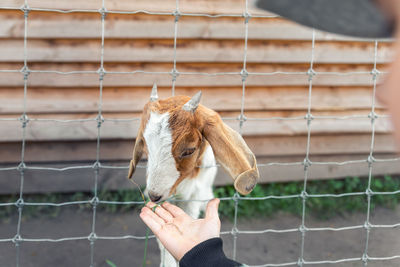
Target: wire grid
97	166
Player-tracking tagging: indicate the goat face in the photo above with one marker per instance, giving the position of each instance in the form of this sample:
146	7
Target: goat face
173	144
175	132
174	147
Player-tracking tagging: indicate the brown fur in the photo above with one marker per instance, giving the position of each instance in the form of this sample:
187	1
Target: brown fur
140	143
185	134
197	130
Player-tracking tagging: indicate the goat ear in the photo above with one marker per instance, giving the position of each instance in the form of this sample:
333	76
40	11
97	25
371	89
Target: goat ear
136	156
231	151
137	150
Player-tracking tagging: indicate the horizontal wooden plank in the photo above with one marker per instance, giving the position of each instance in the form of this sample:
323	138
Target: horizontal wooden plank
211	67
139	79
48	25
45	181
271	146
226	115
191	77
54	131
191	51
152	29
128	100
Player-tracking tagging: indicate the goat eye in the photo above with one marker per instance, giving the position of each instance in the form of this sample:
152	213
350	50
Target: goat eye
187	152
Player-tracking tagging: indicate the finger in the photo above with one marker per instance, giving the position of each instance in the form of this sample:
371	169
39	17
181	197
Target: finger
151	205
174	210
161	212
148	213
212	209
150	222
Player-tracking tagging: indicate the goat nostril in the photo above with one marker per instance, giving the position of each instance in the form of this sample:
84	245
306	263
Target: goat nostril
154	197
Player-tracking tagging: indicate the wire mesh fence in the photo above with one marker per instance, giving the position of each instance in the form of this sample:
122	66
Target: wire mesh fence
97	165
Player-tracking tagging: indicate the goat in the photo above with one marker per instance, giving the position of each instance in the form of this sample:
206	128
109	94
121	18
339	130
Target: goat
181	138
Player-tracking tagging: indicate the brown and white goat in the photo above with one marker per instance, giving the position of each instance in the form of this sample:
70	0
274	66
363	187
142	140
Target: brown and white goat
181	138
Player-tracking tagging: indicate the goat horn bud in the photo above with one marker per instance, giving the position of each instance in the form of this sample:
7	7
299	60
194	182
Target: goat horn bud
193	103
154	95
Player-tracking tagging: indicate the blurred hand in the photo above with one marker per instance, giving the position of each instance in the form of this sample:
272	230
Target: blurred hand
389	93
179	232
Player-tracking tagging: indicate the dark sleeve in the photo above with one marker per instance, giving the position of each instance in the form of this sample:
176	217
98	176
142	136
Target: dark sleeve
208	253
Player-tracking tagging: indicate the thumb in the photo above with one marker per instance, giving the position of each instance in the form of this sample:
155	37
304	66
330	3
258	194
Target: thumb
212	209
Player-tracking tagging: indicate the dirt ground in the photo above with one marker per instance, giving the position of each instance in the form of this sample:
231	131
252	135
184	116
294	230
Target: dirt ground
253	249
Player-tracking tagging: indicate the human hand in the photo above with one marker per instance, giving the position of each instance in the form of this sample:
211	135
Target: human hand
179	232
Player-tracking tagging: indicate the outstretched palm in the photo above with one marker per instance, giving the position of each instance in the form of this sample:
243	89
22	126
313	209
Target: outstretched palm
179	232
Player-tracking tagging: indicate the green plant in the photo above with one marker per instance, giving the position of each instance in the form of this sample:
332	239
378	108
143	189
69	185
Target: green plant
110	263
321	207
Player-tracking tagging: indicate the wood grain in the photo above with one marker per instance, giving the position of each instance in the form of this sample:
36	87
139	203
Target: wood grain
188	50
210	53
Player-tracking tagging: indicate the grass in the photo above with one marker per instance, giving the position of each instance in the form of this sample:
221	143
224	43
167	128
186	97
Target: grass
110	263
321	207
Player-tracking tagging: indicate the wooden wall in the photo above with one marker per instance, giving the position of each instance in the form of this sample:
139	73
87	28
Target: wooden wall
71	42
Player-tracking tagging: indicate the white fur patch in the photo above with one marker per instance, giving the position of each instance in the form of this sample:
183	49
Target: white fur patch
161	169
194	188
200	187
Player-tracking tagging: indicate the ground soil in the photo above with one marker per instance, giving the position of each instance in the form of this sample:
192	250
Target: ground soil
253	249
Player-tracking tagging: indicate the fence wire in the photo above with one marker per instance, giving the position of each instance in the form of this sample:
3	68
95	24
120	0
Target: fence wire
97	166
